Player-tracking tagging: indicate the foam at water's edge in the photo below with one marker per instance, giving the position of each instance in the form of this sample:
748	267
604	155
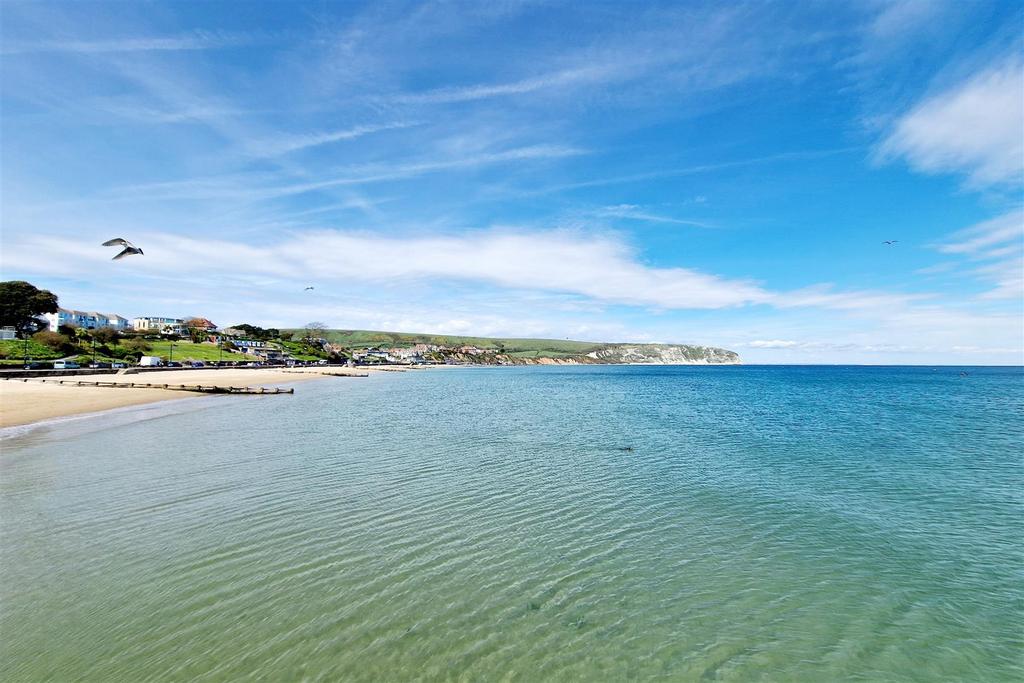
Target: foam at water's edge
140	411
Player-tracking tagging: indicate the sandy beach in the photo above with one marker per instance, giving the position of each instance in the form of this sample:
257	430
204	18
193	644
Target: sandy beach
23	403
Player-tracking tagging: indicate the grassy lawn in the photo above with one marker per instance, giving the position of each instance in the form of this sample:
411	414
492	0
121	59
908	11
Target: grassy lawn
12	351
189	351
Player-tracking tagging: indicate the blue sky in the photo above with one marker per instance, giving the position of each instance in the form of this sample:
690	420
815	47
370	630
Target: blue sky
720	173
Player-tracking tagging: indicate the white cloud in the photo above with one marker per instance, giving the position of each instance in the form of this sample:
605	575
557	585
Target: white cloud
599	268
976	127
773	344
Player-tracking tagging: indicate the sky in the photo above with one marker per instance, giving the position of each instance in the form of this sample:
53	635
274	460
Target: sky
723	174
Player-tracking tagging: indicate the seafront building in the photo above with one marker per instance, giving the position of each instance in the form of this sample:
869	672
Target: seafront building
160	325
90	320
201	324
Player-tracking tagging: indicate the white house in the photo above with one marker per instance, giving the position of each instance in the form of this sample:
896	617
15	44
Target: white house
160	325
89	320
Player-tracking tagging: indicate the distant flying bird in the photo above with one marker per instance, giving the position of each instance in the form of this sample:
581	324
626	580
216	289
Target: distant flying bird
307	289
128	250
890	242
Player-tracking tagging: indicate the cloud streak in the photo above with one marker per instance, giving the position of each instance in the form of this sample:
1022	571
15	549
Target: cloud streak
976	128
999	242
196	40
567	77
286	144
256	188
636	213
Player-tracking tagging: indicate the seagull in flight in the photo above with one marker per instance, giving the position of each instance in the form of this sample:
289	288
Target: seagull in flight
128	250
307	289
890	242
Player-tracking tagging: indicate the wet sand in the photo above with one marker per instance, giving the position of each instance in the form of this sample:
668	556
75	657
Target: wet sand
24	403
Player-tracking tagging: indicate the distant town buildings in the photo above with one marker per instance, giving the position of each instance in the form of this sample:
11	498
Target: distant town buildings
90	320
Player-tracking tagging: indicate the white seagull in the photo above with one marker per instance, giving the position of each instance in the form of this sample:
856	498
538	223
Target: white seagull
128	250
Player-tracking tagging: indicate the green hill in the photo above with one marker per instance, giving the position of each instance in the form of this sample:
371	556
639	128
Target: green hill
545	347
529	350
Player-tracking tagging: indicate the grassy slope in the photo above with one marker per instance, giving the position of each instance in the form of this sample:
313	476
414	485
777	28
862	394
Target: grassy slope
190	351
13	351
518	347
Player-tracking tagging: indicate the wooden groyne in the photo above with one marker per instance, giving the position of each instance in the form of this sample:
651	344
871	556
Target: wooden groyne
198	388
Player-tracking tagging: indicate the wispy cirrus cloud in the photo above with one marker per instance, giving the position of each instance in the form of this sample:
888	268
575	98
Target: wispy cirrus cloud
975	128
286	144
637	213
798	155
260	186
993	233
557	79
195	40
999	243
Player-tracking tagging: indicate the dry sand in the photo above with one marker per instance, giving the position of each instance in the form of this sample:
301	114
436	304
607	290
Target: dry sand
27	402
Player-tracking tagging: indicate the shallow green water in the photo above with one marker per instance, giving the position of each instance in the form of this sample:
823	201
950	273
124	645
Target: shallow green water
768	524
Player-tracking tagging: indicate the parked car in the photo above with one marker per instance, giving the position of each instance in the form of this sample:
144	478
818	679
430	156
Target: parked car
174	364
99	365
65	365
197	364
151	361
118	365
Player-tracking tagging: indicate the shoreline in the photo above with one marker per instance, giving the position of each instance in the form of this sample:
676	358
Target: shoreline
23	404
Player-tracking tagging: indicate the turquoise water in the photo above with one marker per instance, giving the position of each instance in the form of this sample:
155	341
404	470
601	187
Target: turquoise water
768	523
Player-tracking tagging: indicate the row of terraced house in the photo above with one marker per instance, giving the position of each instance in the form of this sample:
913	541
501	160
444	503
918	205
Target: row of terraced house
93	320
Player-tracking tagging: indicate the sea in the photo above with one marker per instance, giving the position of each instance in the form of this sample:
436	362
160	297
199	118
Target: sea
595	523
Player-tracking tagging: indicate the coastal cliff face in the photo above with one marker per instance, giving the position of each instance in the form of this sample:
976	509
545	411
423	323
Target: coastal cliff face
630	354
523	351
665	354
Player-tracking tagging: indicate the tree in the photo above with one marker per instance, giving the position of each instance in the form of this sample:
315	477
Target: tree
105	335
137	345
315	330
257	333
53	340
21	302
